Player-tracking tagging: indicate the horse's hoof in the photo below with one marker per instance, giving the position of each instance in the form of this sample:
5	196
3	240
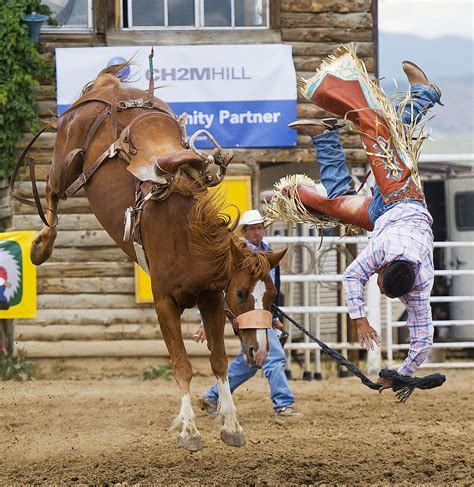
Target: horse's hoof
233	439
191	443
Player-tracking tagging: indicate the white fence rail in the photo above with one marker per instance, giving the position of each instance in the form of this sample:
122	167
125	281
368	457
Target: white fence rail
373	307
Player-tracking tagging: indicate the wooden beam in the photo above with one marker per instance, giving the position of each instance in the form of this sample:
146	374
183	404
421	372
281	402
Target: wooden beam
360	20
341	6
114	348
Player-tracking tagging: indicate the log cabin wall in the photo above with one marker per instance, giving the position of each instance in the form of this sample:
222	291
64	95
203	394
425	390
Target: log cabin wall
86	302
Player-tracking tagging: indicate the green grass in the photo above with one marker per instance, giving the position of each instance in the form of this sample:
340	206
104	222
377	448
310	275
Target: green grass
17	368
154	372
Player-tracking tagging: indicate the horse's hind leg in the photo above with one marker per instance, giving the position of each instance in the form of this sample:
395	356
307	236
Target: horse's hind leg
211	307
170	324
42	246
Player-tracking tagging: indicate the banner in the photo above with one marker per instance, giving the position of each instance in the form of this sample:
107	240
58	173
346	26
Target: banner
17	276
238	192
245	95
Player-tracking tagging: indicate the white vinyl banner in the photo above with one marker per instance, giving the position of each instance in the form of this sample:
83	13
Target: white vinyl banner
245	95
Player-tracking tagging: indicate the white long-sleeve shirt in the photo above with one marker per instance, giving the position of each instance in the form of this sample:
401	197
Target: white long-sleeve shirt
402	233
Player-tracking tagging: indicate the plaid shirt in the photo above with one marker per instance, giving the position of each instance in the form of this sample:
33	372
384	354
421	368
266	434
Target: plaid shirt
402	233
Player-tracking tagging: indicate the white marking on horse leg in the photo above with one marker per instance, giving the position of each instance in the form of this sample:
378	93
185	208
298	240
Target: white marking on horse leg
185	419
258	293
227	411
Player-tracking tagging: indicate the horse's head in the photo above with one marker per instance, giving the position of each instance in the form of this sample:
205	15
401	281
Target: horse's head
249	296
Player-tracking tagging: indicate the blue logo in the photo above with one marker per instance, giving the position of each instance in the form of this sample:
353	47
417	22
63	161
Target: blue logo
124	73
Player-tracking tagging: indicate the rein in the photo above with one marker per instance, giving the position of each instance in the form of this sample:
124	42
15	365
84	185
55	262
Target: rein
403	386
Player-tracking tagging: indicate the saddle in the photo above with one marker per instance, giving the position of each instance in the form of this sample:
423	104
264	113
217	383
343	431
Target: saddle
156	163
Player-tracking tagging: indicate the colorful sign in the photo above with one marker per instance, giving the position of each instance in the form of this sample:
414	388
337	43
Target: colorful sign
245	95
238	192
17	276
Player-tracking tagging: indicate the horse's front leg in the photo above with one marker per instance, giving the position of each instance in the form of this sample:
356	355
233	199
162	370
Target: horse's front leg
211	306
43	241
170	324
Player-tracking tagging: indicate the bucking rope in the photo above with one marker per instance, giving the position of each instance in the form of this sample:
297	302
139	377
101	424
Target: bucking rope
402	386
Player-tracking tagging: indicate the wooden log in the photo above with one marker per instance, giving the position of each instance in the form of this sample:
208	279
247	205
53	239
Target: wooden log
114	348
323	49
85	316
311	63
99	254
45	92
84	238
326	35
85	301
192	37
359	20
71	205
47	108
85	269
103	316
90	285
54	333
44	141
67	222
25	188
341	6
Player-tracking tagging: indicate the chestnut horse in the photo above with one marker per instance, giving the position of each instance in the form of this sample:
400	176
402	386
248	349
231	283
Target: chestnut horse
190	251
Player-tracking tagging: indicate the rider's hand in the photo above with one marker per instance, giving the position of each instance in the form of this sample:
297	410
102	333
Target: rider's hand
367	335
200	334
385	383
277	324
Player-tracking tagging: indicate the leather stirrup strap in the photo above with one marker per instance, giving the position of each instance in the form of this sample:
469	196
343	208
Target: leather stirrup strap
87	174
31	163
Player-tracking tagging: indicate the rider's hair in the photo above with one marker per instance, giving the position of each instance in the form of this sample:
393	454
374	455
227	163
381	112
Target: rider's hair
398	278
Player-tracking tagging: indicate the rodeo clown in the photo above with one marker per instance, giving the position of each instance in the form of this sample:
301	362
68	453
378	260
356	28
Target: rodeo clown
400	248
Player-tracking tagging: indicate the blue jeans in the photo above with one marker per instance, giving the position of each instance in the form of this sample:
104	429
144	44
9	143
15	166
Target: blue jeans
335	175
274	369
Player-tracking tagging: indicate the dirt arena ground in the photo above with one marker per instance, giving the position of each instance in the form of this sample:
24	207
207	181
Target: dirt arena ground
116	431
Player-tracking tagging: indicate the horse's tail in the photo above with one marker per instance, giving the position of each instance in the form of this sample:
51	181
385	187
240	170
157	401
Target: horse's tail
113	74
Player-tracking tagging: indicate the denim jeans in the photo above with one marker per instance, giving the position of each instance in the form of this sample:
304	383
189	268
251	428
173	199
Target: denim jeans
273	368
335	175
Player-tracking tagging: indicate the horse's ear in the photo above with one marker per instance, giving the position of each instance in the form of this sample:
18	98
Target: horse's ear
237	253
275	257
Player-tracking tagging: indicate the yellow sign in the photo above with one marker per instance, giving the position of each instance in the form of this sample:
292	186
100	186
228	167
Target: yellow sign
17	276
238	192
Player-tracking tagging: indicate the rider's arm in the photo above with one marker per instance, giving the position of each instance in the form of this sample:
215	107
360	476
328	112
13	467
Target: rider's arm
356	276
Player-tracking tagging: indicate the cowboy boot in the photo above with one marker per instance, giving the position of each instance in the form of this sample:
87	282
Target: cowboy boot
416	75
316	127
352	209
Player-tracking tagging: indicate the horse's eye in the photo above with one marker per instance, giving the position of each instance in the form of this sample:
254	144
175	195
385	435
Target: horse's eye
241	295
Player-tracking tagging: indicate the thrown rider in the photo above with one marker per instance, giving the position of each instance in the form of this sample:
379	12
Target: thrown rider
400	248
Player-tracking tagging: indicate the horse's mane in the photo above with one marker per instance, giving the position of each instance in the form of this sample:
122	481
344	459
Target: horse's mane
213	231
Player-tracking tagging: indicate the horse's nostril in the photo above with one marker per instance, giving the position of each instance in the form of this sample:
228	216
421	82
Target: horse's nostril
251	355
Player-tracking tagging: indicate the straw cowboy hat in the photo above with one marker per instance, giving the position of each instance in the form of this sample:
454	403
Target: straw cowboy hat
250	217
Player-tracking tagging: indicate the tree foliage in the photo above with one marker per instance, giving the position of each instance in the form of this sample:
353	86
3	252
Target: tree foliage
21	65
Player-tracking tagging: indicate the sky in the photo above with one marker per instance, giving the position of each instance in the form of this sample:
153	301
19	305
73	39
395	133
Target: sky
427	18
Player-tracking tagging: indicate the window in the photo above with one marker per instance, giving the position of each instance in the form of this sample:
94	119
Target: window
192	14
463	205
71	14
